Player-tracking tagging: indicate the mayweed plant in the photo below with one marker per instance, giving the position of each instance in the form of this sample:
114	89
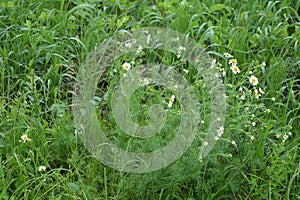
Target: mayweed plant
253	46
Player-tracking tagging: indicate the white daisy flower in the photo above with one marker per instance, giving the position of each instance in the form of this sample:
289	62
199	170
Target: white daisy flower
232	61
235	69
126	66
253	80
42	168
25	138
128	44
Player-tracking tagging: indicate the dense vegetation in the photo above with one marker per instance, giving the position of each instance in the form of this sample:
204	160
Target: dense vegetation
42	46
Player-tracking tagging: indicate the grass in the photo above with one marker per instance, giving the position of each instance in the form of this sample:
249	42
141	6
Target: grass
42	47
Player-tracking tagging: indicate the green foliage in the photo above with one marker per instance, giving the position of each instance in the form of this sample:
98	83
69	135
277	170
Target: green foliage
42	46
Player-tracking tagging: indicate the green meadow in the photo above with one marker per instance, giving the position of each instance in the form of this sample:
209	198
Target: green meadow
253	45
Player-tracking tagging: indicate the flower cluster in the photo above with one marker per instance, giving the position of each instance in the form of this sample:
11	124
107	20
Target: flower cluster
148	39
179	51
258	92
233	62
220	132
139	50
285	136
234	68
